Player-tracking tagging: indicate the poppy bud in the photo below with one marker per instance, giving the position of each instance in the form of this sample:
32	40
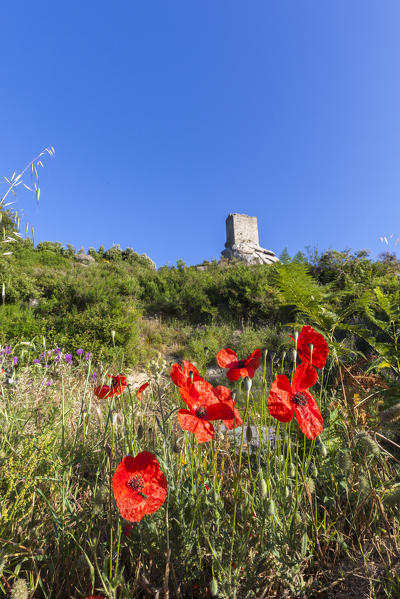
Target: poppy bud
263	487
323	450
310	485
107	449
249	434
287	492
344	461
311	346
296	336
294	351
139	433
314	471
214	587
247	383
233	395
270	507
291	471
363	486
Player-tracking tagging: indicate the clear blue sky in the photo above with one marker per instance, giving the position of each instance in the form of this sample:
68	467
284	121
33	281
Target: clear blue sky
168	115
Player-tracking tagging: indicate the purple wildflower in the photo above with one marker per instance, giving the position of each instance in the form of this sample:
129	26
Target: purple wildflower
35	361
8	350
57	351
68	358
57	358
88	355
49	383
79	351
94	376
42	355
15	360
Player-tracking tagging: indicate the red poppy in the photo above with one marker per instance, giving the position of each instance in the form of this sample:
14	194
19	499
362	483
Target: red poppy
185	377
204	406
95	597
227	358
320	348
118	384
141	389
286	400
139	486
224	394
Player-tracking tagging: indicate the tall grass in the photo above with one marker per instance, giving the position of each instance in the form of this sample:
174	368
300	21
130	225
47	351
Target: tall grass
250	514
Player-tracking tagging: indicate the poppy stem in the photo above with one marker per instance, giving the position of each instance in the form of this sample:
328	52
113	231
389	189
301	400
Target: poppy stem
237	476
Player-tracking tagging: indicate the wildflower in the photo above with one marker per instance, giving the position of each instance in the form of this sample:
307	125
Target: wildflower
224	394
79	352
35	361
88	355
94	376
68	358
141	389
57	350
15	360
49	383
227	358
118	384
185	377
139	486
320	350
286	400
7	350
204	405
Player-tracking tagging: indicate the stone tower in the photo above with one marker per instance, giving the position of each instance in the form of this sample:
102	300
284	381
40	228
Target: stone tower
242	241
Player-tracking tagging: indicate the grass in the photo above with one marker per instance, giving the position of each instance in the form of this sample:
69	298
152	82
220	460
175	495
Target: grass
289	516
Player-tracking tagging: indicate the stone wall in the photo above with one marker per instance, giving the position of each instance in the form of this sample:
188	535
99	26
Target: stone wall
241	228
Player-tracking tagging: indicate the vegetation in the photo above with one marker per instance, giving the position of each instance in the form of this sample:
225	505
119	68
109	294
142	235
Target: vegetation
242	518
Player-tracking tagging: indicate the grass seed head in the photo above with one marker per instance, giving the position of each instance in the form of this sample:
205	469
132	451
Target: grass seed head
393	498
20	589
390	415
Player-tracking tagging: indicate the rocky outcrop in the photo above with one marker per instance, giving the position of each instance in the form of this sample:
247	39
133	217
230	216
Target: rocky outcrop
242	241
249	253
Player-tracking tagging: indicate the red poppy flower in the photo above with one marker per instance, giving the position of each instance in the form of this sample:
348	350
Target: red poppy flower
139	486
286	400
141	389
185	377
224	394
204	405
95	597
118	384
227	358
320	349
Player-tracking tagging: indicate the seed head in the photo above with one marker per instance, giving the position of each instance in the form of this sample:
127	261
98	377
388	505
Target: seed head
20	589
390	415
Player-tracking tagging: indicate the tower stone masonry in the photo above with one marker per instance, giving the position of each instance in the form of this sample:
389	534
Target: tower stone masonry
242	241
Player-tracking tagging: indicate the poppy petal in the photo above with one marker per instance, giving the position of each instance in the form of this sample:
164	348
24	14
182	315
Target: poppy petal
320	347
279	404
233	374
219	411
309	417
202	429
225	357
141	389
103	391
305	376
235	421
254	360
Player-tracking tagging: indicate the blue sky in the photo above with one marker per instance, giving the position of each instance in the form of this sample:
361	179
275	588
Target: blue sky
167	116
